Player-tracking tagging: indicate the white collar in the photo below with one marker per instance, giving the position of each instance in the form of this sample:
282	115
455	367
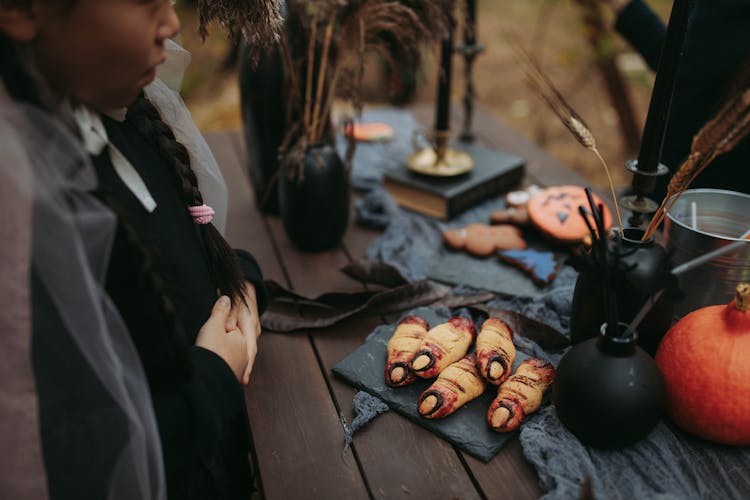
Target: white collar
95	139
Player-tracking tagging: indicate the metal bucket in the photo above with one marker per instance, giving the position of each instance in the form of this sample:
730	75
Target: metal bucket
700	221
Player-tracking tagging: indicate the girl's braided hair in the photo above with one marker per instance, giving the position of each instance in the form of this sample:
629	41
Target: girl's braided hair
222	260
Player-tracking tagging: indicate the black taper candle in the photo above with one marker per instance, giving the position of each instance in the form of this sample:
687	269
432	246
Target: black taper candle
442	120
470	37
661	97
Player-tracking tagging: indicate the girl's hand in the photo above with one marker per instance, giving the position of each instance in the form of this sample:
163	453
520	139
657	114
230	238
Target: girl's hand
246	317
229	345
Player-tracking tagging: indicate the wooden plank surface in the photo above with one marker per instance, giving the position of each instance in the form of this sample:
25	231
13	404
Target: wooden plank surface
292	416
429	465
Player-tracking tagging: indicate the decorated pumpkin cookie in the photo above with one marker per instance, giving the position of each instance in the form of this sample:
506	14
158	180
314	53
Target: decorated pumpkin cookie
483	240
554	212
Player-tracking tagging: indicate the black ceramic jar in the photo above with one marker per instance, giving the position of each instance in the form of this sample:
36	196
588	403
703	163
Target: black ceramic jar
315	205
642	270
608	392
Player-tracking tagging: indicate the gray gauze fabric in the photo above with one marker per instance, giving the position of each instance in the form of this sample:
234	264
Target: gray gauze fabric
366	407
668	464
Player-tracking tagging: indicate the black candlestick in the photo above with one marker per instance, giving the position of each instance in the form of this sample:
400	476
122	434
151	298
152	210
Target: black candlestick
442	160
470	49
648	165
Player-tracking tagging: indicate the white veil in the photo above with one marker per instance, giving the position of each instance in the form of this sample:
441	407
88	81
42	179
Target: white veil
164	94
21	467
48	177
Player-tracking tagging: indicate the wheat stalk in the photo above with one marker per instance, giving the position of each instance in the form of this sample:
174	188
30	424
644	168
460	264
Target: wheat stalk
317	117
718	136
544	87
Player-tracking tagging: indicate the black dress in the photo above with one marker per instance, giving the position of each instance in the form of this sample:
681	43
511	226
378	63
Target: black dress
83	430
199	404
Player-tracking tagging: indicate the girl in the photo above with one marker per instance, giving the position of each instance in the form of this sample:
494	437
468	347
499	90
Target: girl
82	62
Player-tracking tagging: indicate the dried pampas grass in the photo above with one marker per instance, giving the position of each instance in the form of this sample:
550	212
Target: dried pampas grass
324	55
259	22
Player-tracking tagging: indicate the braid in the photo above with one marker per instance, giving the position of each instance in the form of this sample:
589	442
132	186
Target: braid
175	335
222	261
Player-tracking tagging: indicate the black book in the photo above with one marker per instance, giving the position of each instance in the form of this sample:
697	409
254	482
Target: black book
445	197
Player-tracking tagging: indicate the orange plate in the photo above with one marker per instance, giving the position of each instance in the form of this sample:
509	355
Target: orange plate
554	212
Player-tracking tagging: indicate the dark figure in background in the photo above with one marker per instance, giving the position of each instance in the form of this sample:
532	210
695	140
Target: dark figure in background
716	51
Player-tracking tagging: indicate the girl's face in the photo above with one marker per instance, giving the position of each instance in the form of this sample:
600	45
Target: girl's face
102	52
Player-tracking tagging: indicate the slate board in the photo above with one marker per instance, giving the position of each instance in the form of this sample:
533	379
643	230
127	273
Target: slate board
467	428
491	273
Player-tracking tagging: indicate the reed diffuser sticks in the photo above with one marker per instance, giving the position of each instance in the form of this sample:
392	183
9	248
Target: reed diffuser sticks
600	251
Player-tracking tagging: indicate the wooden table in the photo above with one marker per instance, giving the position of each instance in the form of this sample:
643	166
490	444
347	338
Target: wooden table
296	405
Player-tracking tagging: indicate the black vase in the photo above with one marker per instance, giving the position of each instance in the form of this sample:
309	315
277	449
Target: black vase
608	392
315	205
264	107
644	269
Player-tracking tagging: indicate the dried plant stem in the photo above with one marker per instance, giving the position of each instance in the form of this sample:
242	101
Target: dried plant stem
692	167
328	104
316	117
611	185
361	69
310	67
291	71
718	136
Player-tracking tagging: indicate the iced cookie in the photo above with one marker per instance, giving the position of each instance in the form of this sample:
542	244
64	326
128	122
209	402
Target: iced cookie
482	240
540	266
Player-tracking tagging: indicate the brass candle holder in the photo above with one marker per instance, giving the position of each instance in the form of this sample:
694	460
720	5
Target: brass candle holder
440	160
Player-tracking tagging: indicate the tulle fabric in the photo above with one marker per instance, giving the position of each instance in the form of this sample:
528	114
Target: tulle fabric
164	94
21	467
47	208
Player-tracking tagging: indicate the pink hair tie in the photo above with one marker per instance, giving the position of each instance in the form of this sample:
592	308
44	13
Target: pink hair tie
202	214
